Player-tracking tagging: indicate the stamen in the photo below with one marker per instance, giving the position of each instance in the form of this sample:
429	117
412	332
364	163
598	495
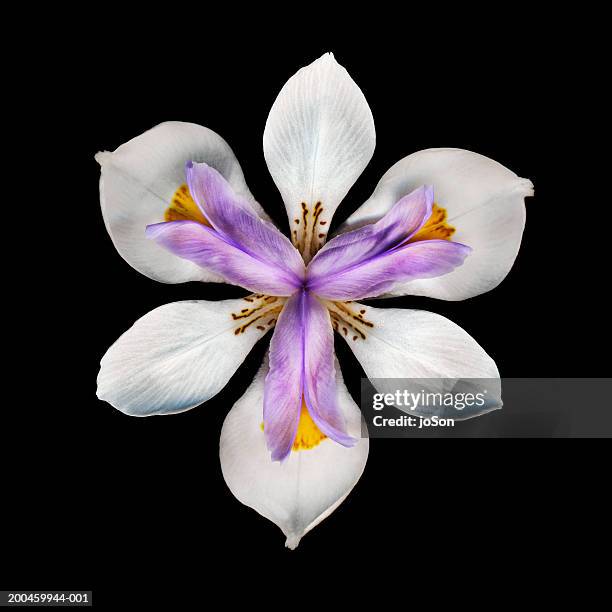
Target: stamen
348	322
183	208
436	227
308	237
263	309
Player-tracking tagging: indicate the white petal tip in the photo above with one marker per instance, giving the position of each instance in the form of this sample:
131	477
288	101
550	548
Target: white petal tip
102	157
525	186
326	62
292	541
100	392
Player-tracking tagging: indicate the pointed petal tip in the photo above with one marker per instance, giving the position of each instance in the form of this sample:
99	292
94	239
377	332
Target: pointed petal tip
351	441
329	57
525	186
293	539
104	395
278	455
325	62
195	168
152	231
102	157
338	436
192	164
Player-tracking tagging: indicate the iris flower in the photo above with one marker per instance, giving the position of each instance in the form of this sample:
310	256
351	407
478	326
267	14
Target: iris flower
443	223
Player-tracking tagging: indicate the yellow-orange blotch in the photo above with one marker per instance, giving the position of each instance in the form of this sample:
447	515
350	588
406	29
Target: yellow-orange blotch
183	208
308	434
436	227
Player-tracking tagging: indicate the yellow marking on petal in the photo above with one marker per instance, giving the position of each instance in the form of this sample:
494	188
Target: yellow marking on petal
183	208
308	434
436	227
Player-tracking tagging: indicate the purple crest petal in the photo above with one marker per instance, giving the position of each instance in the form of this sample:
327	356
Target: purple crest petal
369	261
398	225
378	275
204	246
243	248
233	218
301	366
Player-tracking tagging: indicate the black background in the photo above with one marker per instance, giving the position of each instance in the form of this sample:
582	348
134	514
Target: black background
137	508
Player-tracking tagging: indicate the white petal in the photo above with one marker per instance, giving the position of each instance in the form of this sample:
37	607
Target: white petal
415	344
138	181
318	139
299	493
485	204
177	356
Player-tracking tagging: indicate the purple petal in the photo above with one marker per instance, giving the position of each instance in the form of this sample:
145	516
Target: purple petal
397	226
204	246
233	217
301	367
371	260
379	274
283	385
